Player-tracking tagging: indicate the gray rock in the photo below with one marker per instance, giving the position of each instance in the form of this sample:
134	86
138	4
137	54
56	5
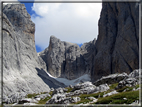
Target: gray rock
111	79
137	74
103	87
19	54
58	90
88	90
110	93
83	85
117	46
23	70
64	59
75	99
51	89
62	99
127	82
27	100
70	86
91	98
43	96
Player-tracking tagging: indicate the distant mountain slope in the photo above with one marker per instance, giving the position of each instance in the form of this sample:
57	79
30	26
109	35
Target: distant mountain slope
68	60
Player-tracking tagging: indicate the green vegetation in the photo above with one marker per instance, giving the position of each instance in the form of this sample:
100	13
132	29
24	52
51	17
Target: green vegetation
51	93
137	86
118	98
31	95
69	89
130	96
85	96
125	88
43	101
113	86
43	92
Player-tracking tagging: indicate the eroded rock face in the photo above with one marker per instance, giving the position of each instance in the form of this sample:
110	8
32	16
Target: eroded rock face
111	79
21	21
23	70
116	49
64	59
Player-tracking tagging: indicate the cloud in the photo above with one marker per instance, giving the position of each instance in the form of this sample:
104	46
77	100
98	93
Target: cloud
71	22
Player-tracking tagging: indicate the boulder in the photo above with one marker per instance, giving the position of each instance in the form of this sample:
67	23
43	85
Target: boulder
110	93
43	96
62	99
58	91
83	85
27	100
111	79
127	82
103	87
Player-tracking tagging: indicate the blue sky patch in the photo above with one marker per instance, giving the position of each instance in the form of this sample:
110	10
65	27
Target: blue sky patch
38	49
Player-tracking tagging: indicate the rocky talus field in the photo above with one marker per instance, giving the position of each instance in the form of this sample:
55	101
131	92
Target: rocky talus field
102	71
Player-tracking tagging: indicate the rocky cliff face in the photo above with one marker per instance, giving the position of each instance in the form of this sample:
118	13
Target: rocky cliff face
64	59
117	46
23	70
115	50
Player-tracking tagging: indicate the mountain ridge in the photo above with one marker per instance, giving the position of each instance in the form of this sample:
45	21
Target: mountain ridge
115	50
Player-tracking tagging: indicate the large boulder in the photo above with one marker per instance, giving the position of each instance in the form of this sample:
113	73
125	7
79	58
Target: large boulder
62	99
111	79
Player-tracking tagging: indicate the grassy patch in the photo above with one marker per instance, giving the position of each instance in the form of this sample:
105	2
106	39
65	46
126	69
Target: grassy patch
113	86
118	98
122	89
43	92
51	93
125	88
84	97
43	101
137	86
31	95
69	89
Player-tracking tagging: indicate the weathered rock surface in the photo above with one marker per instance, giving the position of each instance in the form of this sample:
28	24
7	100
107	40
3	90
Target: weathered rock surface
64	59
23	70
117	46
110	93
111	79
43	96
62	99
132	79
127	82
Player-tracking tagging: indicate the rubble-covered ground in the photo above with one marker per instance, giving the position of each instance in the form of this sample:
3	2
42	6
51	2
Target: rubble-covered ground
126	91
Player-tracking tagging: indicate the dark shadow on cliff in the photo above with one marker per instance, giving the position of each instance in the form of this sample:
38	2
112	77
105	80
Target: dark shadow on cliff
51	82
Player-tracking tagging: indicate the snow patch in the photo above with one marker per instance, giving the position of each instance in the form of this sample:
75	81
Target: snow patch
68	82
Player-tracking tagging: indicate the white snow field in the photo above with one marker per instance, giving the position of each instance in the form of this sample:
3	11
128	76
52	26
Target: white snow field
67	82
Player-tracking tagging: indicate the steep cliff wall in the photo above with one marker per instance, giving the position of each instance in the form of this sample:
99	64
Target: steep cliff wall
23	70
117	46
68	60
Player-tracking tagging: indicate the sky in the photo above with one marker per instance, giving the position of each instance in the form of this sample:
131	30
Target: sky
71	22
